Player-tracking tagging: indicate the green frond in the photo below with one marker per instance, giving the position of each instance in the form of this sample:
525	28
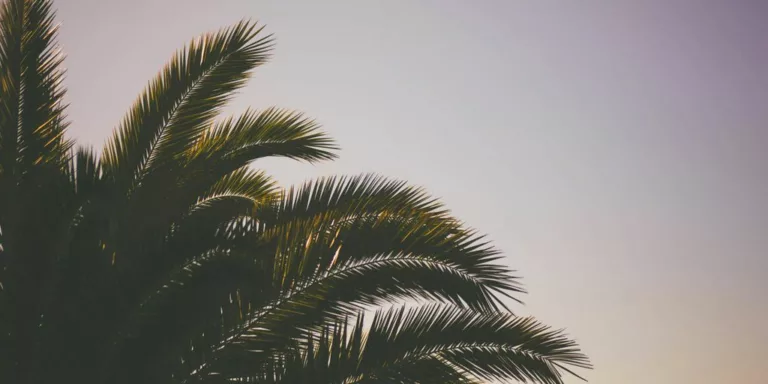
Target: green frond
154	185
32	121
210	220
230	146
145	157
329	225
42	117
254	135
327	265
243	182
493	345
375	281
11	33
209	225
432	344
182	100
339	199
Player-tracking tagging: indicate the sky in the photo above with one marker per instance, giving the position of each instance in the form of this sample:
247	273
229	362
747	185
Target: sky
615	151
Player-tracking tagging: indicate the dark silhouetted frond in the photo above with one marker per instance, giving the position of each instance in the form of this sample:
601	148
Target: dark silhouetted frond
255	135
179	104
31	102
345	248
433	344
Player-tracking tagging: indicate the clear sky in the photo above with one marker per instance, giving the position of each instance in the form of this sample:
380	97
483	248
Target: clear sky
616	151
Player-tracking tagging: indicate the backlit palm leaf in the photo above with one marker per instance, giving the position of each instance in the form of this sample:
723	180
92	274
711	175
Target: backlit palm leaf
431	344
180	103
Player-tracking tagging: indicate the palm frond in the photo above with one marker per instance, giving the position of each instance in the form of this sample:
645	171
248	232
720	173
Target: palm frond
336	223
340	199
31	102
272	132
42	116
11	34
180	103
223	152
243	182
495	345
433	344
211	220
147	150
219	153
375	242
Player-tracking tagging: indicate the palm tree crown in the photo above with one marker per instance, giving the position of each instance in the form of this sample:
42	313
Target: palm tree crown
166	258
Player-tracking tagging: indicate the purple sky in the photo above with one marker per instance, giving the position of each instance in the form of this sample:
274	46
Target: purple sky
615	150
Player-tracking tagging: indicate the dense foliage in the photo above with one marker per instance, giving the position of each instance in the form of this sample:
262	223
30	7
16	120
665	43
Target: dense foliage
166	258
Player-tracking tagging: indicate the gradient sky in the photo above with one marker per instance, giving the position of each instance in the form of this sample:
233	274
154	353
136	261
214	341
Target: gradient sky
614	150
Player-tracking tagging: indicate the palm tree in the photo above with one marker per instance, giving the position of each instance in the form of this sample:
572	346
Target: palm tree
168	259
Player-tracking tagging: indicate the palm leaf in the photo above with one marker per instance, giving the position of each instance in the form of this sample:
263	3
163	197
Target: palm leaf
353	244
254	135
31	102
179	104
340	199
434	344
227	148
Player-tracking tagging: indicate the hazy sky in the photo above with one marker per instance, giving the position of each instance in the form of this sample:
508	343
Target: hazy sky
614	150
